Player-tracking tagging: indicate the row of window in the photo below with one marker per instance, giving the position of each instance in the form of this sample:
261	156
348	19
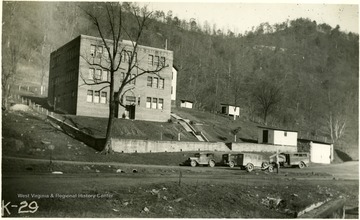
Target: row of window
155	82
154	103
130	77
99	74
96	97
156	60
100	51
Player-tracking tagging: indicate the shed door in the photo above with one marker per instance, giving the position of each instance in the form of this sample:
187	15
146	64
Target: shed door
265	136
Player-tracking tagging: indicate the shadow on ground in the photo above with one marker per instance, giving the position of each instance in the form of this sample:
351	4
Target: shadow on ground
343	156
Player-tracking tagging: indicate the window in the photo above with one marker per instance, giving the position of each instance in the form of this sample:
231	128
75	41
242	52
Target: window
99	51
171	90
98	75
148	102
161	84
161	103
285	133
105	75
135	57
139	100
156	61
162	61
154	103
155	83
123	56
89	97
133	77
129	54
97	97
149	81
91	73
103	98
105	54
92	50
151	60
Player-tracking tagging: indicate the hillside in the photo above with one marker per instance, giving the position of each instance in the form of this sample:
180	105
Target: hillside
310	69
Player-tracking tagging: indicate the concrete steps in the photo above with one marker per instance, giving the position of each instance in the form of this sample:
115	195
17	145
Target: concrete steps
186	125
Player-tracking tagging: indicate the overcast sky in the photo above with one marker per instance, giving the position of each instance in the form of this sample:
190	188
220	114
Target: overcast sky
242	16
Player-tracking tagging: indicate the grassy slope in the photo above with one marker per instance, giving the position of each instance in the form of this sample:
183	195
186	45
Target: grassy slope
217	127
131	129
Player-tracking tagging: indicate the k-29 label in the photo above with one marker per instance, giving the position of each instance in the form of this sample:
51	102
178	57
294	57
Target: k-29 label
22	208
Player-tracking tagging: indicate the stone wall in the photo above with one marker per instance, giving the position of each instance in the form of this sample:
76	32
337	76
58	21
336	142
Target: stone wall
253	147
144	146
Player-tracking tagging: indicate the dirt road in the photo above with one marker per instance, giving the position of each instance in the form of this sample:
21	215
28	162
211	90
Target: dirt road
164	191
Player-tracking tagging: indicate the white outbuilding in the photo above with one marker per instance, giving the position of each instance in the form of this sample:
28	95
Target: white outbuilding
231	110
277	136
320	152
186	104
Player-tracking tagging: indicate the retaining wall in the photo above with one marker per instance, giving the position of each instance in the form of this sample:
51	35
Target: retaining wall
253	147
144	146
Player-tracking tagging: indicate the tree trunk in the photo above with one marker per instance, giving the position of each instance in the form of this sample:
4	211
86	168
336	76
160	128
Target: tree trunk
108	147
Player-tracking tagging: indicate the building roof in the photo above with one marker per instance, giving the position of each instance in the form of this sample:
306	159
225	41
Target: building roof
175	67
279	129
184	100
229	104
314	141
123	41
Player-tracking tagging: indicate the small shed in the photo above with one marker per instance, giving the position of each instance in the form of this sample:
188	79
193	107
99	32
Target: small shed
277	136
320	152
186	104
231	110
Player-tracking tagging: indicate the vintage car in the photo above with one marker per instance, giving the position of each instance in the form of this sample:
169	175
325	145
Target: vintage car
247	161
299	159
202	159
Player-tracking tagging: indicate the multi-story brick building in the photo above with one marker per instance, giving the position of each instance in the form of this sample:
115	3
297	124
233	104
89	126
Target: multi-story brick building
72	69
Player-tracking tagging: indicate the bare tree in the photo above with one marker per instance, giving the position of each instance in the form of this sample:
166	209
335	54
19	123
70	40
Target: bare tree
108	18
267	97
12	49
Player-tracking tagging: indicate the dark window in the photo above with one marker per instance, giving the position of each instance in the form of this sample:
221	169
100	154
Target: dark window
149	81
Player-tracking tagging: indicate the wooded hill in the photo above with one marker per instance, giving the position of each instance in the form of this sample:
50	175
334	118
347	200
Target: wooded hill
297	74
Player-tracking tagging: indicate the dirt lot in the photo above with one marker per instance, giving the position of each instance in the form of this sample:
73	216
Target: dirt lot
166	191
93	186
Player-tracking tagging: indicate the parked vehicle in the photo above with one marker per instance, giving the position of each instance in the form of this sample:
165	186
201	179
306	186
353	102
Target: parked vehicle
300	159
247	161
202	159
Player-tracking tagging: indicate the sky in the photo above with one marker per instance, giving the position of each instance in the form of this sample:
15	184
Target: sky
242	16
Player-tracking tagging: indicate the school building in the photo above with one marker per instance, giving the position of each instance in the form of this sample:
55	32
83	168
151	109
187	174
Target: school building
76	76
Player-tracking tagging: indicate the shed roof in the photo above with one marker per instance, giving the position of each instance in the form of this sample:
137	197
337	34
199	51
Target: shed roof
229	104
314	141
184	100
278	129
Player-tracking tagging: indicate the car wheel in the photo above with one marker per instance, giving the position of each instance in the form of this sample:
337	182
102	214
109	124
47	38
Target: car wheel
264	165
271	169
302	165
211	163
193	163
231	164
249	167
